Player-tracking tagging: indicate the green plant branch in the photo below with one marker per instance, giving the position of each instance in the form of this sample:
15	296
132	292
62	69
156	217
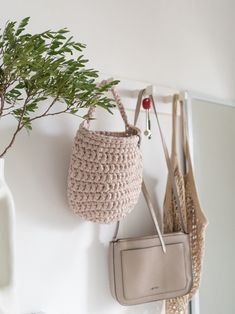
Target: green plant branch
18	128
7	108
21	125
36	67
1	103
46	112
50	114
51	105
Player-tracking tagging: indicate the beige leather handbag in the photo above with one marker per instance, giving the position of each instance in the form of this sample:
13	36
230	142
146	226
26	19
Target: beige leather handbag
153	268
146	269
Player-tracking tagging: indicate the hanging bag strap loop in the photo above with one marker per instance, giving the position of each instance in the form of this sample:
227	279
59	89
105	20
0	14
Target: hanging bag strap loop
165	149
144	189
119	103
175	102
169	166
184	134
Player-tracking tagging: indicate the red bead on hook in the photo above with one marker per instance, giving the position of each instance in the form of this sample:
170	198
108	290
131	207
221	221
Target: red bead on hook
147	104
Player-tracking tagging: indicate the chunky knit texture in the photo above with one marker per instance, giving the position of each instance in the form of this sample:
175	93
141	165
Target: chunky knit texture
105	172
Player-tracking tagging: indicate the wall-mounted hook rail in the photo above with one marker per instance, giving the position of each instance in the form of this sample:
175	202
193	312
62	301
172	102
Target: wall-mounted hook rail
128	90
153	90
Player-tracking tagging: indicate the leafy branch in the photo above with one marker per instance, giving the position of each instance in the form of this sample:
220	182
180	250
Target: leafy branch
42	72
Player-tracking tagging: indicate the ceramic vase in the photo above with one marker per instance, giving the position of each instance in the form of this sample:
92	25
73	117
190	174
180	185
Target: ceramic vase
8	295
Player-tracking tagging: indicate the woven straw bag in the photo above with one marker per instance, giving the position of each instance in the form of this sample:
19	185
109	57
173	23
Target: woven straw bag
105	173
193	215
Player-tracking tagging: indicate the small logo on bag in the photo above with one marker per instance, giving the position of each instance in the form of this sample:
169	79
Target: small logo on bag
155	288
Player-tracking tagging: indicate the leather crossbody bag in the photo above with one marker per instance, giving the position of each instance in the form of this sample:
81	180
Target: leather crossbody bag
152	268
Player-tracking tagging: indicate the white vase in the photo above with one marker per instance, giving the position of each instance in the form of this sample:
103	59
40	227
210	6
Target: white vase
8	296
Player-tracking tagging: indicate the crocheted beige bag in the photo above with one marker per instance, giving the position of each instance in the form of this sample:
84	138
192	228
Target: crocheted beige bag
105	173
193	215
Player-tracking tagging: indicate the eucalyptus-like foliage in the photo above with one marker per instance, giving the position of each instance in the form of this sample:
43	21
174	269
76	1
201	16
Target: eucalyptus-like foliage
46	68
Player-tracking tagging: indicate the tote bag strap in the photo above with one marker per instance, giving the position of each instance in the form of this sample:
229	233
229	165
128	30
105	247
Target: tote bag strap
167	157
119	105
175	103
184	134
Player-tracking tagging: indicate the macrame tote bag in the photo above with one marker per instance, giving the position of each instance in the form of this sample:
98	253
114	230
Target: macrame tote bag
193	216
105	173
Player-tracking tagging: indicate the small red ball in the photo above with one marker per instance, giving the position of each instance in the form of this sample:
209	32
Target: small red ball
147	103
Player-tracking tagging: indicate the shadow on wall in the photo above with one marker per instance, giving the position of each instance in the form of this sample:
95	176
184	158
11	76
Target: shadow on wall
98	292
34	165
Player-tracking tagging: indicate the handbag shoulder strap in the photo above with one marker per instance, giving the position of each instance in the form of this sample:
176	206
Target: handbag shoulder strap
119	103
171	174
144	190
153	216
167	157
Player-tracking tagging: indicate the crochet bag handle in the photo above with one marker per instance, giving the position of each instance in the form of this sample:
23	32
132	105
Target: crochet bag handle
119	105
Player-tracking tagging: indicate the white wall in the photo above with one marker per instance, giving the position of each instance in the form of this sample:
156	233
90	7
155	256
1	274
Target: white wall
62	265
185	43
61	260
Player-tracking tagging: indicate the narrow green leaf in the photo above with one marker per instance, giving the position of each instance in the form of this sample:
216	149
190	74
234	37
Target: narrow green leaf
22	25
